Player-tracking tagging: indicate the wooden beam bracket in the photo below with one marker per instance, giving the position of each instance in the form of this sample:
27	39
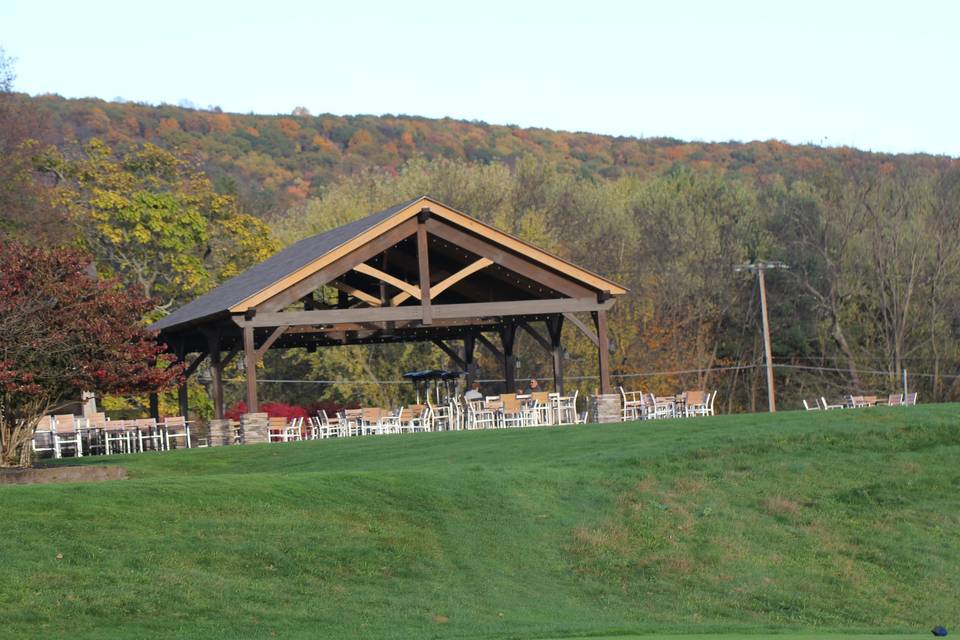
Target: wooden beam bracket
584	329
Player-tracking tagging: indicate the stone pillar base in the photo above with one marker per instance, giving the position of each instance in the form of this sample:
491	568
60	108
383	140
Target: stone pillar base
254	428
219	433
606	408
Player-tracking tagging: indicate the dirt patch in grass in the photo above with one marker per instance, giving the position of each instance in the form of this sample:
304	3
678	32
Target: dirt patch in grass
46	475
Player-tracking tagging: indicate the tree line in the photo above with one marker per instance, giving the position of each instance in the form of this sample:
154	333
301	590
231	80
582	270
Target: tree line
873	242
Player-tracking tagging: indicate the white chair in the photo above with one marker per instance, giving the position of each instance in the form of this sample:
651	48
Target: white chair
43	436
539	409
148	434
280	429
807	407
827	406
511	411
910	400
696	404
480	415
660	408
119	436
632	404
567	409
174	428
411	419
352	422
894	400
66	434
330	427
374	421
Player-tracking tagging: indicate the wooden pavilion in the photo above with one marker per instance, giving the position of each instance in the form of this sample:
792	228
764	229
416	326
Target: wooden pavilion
418	271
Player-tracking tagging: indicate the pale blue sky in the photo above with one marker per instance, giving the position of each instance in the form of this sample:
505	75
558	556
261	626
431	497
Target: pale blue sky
875	75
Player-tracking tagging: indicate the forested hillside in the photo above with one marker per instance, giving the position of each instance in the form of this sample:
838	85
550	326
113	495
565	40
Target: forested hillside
173	200
272	161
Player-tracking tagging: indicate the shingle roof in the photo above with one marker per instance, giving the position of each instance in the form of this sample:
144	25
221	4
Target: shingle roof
278	266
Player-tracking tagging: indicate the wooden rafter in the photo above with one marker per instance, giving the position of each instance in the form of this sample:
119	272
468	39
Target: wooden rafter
294	287
359	294
485	248
366	269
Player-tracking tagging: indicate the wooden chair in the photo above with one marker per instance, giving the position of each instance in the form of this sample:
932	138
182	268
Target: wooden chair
373	420
695	403
277	429
511	411
894	400
352	419
815	407
540	409
910	400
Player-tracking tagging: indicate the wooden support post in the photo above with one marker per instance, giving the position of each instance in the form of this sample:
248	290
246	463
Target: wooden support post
555	329
216	373
182	400
154	406
469	351
182	389
250	365
423	261
507	337
603	350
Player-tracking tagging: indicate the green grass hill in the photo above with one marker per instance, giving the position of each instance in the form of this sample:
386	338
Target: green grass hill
809	523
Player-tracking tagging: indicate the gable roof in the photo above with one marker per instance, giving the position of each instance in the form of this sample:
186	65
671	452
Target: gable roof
303	258
276	267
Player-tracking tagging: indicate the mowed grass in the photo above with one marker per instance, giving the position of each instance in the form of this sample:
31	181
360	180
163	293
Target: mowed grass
803	523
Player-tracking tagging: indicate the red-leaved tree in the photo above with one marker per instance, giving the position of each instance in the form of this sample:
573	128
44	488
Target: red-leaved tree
63	331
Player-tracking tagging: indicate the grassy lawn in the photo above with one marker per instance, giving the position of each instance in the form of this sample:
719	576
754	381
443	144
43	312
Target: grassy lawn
803	524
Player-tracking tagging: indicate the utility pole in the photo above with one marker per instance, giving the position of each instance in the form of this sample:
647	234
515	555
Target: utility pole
759	268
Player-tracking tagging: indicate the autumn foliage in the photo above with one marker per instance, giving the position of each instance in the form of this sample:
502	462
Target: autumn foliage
63	332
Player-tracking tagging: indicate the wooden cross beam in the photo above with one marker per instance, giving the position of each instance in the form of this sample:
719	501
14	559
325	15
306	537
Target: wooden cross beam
475	310
447	282
279	331
192	367
406	287
373	301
